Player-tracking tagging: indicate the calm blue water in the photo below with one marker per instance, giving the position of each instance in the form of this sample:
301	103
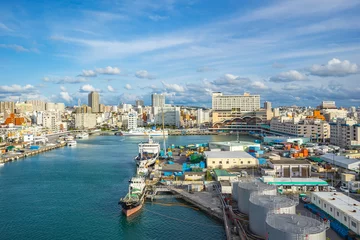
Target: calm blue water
72	193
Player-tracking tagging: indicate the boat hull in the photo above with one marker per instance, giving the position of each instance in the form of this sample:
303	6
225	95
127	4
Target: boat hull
131	211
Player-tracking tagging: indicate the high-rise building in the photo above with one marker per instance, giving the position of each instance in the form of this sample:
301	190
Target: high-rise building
101	108
83	109
328	105
132	120
51	120
50	106
85	120
139	103
345	132
157	100
93	101
171	115
38	105
7	106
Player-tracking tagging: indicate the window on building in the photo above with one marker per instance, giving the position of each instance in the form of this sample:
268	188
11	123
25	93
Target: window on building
319	201
248	162
220	162
331	209
337	213
241	162
213	162
345	219
353	224
227	162
324	205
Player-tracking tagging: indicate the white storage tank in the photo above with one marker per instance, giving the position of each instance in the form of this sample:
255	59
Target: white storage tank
234	190
292	226
246	188
260	205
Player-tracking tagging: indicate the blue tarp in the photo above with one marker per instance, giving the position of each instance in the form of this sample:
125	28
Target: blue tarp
262	161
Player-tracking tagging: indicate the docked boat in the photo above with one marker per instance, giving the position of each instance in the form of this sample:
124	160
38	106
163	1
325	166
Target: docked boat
1	164
71	143
144	132
134	199
148	153
82	135
142	171
68	138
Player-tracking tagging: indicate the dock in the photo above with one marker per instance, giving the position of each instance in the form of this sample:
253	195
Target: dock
29	153
190	132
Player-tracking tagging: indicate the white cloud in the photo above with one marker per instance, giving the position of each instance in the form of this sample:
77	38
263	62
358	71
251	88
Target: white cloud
144	74
46	79
4	27
108	70
88	88
69	80
291	87
16	88
290	76
128	86
15	47
88	73
156	18
258	85
110	88
66	96
334	67
230	79
173	87
62	88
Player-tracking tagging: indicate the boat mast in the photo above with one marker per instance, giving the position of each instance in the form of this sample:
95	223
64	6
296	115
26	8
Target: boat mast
163	128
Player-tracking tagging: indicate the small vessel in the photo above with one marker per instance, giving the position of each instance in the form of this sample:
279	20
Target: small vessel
82	135
134	199
148	153
69	138
142	171
71	143
1	164
144	132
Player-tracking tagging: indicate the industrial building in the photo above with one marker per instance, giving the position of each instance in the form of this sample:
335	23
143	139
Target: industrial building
344	209
229	159
278	139
345	132
342	161
233	145
291	168
295	185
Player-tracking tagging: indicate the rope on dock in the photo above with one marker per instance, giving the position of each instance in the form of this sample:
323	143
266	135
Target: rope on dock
181	220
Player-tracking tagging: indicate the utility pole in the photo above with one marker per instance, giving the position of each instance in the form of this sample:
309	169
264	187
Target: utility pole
163	128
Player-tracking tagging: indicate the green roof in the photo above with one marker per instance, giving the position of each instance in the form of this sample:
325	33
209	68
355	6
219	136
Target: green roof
315	159
223	173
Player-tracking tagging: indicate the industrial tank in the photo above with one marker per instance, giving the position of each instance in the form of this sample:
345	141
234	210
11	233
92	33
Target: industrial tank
260	205
292	226
234	190
246	188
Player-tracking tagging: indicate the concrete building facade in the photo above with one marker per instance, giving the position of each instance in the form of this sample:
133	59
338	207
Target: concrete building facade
230	159
157	100
85	120
171	115
345	132
94	101
132	120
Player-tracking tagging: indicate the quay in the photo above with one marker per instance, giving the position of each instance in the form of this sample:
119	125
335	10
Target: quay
29	153
191	132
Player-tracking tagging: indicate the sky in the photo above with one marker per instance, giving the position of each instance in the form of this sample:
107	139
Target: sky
296	52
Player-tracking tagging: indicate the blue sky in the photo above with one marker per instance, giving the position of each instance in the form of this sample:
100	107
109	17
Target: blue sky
296	52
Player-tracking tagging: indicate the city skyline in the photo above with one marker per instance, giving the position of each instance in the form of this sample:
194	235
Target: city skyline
289	52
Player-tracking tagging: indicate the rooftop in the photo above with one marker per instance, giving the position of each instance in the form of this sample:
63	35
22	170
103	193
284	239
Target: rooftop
342	202
295	162
227	154
293	181
236	143
222	172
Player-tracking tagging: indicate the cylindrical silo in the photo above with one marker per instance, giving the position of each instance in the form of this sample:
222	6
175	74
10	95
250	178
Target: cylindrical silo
260	205
234	190
246	188
292	226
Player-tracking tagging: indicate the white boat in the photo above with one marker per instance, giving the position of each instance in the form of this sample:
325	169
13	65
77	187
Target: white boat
1	164
142	171
82	135
71	143
69	138
148	153
144	132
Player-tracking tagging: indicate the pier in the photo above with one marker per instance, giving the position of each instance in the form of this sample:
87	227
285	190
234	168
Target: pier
29	153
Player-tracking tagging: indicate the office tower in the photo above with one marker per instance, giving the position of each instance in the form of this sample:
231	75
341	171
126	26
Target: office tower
93	101
157	100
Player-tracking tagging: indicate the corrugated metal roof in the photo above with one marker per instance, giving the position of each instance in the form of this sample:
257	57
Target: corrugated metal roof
227	154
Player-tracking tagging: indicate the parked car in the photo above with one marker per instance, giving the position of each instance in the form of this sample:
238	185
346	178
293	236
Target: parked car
344	189
305	199
332	189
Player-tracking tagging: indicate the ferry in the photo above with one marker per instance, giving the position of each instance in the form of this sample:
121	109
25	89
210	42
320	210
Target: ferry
134	199
144	132
82	135
148	153
71	143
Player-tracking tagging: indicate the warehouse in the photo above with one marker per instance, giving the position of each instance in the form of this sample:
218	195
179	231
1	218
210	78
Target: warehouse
342	161
294	185
344	209
233	146
291	168
229	159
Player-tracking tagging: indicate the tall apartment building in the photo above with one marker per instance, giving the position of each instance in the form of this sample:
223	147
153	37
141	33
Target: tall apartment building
51	120
139	103
94	101
83	109
22	107
202	116
85	120
38	105
315	129
132	120
345	132
7	106
49	106
101	108
171	115
328	105
157	100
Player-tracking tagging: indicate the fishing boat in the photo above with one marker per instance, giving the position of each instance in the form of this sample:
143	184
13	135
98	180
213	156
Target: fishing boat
148	153
71	143
134	199
82	135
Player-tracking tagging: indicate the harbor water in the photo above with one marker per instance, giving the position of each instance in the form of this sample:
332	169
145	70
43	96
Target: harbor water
72	193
